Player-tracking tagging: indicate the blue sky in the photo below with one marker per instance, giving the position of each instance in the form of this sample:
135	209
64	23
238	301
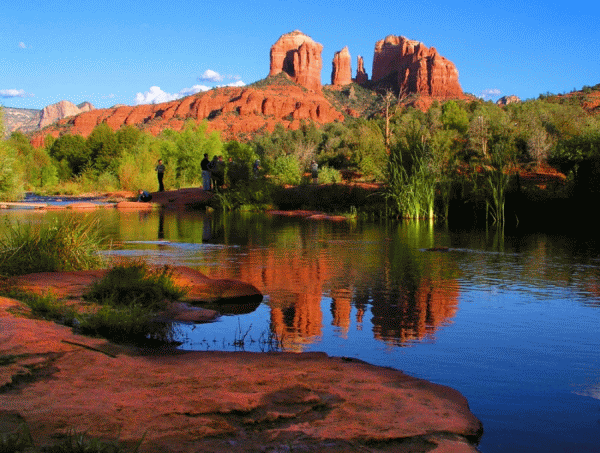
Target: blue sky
130	52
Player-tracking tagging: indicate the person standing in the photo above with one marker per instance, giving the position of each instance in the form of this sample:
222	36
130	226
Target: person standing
314	172
160	173
205	173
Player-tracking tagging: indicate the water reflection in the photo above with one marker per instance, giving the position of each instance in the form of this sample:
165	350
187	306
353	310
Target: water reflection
510	321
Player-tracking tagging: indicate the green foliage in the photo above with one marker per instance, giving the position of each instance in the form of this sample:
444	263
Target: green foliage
455	117
62	245
254	195
183	151
104	148
286	170
11	176
328	175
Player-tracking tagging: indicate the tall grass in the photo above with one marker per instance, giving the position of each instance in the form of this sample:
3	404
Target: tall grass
64	244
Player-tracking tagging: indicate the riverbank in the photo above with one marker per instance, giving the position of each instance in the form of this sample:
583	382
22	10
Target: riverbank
57	382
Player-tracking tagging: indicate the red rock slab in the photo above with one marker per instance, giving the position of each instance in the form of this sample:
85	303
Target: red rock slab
181	199
135	205
183	402
74	284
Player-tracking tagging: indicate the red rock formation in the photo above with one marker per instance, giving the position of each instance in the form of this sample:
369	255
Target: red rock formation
419	69
233	111
299	57
361	76
62	109
341	72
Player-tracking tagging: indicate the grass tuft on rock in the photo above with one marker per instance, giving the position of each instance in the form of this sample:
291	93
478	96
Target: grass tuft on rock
135	283
130	296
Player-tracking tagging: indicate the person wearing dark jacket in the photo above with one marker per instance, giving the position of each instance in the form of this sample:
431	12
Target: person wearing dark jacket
160	173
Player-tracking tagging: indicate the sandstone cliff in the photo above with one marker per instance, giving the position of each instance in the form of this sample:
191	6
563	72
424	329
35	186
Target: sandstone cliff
299	57
62	109
341	73
236	112
417	69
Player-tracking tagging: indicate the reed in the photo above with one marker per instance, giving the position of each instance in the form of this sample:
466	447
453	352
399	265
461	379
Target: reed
412	184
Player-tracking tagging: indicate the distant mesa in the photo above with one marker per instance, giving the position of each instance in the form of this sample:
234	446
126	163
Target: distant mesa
505	100
297	55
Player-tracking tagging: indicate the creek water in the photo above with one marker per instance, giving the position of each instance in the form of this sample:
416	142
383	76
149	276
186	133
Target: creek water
509	320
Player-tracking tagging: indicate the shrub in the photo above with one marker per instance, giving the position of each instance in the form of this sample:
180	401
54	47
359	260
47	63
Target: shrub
328	175
286	170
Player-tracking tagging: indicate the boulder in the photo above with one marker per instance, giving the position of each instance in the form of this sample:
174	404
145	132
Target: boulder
297	55
341	73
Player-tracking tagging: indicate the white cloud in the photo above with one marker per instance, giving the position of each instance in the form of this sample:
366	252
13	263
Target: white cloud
12	93
22	45
155	95
490	93
210	76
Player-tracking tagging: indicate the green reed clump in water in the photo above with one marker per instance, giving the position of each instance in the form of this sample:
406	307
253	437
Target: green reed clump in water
64	244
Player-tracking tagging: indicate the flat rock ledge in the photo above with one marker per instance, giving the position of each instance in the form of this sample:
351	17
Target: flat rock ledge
200	290
57	381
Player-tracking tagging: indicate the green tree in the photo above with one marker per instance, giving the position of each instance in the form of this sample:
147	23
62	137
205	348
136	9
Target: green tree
72	154
11	187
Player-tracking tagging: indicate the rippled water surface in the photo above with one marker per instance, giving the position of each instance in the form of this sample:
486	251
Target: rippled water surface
511	322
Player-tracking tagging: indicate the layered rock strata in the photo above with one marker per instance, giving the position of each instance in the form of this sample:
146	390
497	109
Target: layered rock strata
297	55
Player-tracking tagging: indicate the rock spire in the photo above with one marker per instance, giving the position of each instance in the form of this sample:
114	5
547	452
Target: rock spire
297	55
